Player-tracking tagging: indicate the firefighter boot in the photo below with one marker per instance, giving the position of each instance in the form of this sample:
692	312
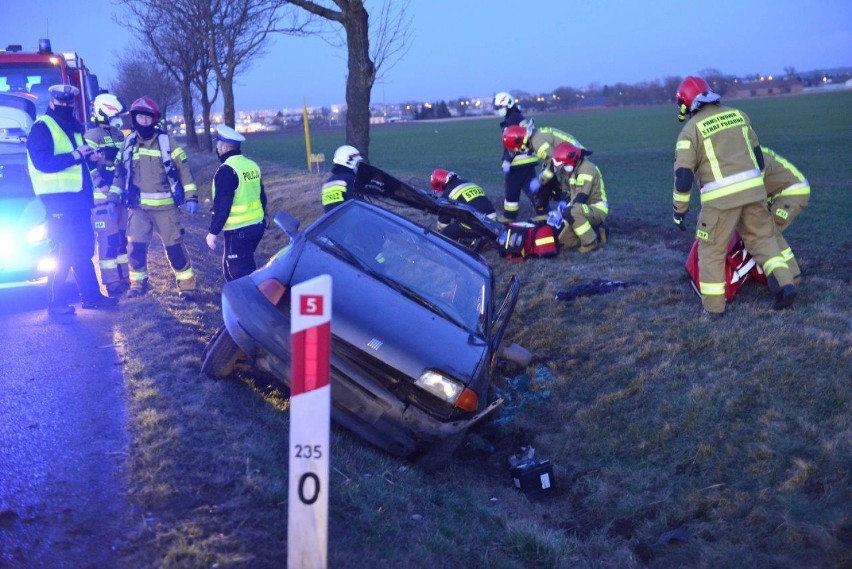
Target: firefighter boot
98	302
116	289
784	298
601	231
589	247
137	288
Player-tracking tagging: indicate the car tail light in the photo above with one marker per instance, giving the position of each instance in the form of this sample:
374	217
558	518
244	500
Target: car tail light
272	290
468	401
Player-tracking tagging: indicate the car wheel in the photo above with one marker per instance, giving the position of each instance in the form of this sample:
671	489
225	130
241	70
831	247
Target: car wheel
438	455
221	355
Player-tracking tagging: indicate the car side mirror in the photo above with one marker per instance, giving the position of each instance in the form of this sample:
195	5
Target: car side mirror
287	223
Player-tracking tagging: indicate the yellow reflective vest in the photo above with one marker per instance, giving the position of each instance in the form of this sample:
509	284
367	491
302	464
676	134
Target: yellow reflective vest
246	209
65	181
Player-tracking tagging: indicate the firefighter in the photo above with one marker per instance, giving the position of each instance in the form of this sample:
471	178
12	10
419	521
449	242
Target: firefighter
109	216
155	180
340	186
580	219
509	110
718	147
450	186
788	193
59	161
540	142
239	205
520	176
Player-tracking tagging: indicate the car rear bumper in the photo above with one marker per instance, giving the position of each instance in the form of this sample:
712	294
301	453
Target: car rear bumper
358	403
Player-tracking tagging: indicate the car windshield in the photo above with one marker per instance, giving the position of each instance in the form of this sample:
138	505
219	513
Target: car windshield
31	80
14	179
410	263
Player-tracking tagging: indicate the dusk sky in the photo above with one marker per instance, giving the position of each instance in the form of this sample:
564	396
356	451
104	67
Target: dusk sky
478	47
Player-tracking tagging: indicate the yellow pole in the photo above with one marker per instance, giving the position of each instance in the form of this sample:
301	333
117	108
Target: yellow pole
307	132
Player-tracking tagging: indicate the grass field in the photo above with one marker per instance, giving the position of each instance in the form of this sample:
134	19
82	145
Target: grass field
675	443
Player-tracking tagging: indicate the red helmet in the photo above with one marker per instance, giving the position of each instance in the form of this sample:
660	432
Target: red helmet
514	137
147	106
689	89
440	178
567	154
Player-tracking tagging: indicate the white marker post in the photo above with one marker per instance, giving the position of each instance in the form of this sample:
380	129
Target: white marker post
310	413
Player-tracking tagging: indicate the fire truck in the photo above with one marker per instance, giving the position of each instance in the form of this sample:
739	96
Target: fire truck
30	74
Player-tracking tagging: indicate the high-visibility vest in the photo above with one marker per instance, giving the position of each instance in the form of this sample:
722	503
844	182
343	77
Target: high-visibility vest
246	209
65	181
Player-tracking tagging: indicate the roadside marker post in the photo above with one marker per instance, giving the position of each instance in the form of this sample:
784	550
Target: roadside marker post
310	415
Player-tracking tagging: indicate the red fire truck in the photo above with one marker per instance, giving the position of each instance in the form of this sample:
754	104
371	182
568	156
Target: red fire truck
31	74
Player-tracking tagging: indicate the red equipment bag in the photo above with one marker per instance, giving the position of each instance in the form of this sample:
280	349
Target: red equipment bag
524	239
740	267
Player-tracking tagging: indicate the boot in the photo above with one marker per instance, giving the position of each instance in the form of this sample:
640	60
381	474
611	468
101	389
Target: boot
99	302
137	289
601	231
57	307
116	289
590	247
785	297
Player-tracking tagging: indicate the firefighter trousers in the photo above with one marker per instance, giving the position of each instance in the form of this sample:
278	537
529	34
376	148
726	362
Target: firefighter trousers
71	231
240	244
141	225
584	220
784	210
106	241
715	227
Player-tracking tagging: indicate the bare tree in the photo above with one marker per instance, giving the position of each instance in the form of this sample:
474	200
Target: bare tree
139	74
389	34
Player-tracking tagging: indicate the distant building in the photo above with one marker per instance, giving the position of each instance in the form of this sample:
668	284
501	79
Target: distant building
764	88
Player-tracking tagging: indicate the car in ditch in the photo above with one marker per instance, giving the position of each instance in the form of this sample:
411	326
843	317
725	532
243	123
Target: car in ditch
417	322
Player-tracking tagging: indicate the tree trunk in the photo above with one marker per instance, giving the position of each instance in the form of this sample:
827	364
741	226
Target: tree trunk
359	82
227	87
188	115
205	117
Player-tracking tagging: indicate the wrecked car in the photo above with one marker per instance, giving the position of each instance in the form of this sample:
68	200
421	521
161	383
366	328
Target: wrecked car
417	323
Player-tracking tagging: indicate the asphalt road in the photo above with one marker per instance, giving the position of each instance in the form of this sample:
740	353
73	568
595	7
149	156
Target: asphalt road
63	438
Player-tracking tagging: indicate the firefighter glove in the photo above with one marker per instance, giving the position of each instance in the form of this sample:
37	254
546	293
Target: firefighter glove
211	241
111	210
506	166
535	186
679	219
192	207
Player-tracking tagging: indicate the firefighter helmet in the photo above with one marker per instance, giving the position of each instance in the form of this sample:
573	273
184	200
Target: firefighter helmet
693	91
440	179
107	106
514	137
347	156
502	102
146	105
567	156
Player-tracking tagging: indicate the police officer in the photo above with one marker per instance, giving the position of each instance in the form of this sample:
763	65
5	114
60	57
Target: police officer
59	160
718	147
155	181
450	186
239	205
788	194
340	186
109	216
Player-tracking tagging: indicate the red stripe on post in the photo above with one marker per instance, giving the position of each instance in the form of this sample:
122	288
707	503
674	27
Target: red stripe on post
310	361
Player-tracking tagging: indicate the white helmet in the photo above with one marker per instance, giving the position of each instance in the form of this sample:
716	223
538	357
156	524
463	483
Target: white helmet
347	156
502	102
107	106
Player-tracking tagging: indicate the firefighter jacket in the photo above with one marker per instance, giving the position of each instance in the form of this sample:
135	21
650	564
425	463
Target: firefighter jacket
148	177
61	182
542	142
467	193
782	179
238	196
584	185
718	146
338	188
108	141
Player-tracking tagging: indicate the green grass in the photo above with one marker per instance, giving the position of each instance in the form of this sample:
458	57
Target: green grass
738	435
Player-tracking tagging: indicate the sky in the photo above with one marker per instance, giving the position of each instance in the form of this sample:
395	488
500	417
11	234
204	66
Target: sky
475	48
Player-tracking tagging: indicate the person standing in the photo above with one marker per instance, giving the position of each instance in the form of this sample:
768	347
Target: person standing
788	194
718	147
59	160
516	173
239	205
340	186
586	207
109	216
155	181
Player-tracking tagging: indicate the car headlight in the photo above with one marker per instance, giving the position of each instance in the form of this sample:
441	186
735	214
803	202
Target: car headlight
449	390
37	234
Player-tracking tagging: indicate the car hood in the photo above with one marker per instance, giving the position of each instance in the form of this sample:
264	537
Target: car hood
386	325
20	213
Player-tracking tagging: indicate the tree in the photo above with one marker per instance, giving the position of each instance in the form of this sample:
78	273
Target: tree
390	35
139	74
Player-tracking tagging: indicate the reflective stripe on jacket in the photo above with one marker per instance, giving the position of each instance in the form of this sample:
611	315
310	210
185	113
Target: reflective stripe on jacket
781	178
64	181
246	209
